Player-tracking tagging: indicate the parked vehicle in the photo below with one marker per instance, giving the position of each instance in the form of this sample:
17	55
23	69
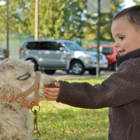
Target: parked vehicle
52	55
109	51
2	53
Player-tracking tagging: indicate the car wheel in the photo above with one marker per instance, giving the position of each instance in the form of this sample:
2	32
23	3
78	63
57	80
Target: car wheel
77	68
92	71
35	64
50	72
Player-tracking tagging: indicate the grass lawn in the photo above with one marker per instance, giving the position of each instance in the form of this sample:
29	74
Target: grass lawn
58	121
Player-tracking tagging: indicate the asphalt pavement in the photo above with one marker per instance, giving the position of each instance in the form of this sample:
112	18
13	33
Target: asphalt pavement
62	75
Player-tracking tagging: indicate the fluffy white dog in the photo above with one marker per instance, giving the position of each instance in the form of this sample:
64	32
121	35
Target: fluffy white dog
19	88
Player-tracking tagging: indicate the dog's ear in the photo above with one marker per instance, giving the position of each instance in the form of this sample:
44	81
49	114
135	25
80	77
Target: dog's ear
9	91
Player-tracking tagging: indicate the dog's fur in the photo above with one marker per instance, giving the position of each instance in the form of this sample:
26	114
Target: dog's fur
16	76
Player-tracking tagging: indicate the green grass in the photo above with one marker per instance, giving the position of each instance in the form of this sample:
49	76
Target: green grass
58	121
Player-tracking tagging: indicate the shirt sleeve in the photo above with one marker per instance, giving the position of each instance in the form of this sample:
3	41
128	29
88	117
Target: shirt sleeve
122	87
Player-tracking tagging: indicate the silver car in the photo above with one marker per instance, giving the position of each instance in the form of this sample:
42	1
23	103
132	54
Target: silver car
52	55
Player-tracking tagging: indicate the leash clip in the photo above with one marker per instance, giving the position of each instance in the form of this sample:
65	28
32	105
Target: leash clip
35	130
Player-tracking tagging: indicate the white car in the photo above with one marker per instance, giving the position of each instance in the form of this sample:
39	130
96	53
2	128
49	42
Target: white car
52	55
103	63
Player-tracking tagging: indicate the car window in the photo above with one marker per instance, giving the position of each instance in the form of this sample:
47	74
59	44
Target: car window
32	46
56	46
73	46
107	50
45	46
93	49
50	46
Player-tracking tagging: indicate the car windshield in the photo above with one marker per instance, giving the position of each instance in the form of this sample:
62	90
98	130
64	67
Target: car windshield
73	46
93	49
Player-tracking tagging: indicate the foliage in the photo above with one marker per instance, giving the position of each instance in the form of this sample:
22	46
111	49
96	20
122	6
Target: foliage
106	20
61	19
62	122
137	2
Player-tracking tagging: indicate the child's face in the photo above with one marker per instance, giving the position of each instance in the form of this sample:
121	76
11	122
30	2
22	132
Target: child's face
126	36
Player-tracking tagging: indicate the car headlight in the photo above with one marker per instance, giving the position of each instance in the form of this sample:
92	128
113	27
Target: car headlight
87	56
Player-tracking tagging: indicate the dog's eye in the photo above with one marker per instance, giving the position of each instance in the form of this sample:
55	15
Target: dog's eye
23	77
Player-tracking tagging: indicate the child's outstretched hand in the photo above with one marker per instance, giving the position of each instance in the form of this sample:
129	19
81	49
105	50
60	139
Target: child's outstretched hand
52	93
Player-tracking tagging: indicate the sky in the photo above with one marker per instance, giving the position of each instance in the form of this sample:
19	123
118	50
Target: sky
128	3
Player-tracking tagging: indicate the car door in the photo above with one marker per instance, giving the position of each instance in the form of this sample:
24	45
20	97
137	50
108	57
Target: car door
51	56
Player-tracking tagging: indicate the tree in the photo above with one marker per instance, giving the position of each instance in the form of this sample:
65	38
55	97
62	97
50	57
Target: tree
137	2
105	22
16	20
61	19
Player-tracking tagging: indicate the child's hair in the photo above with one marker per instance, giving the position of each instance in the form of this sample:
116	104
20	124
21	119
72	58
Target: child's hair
132	14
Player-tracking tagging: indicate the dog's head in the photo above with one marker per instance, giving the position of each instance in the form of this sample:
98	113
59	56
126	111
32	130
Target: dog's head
17	76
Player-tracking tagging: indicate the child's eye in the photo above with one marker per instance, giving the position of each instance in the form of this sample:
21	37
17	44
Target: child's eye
121	37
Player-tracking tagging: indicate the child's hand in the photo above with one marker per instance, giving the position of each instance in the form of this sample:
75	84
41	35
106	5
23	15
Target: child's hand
52	93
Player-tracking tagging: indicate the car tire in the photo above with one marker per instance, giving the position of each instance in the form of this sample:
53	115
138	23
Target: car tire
49	72
77	68
92	71
35	64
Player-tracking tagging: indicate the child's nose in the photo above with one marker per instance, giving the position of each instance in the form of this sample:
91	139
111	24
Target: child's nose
116	45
